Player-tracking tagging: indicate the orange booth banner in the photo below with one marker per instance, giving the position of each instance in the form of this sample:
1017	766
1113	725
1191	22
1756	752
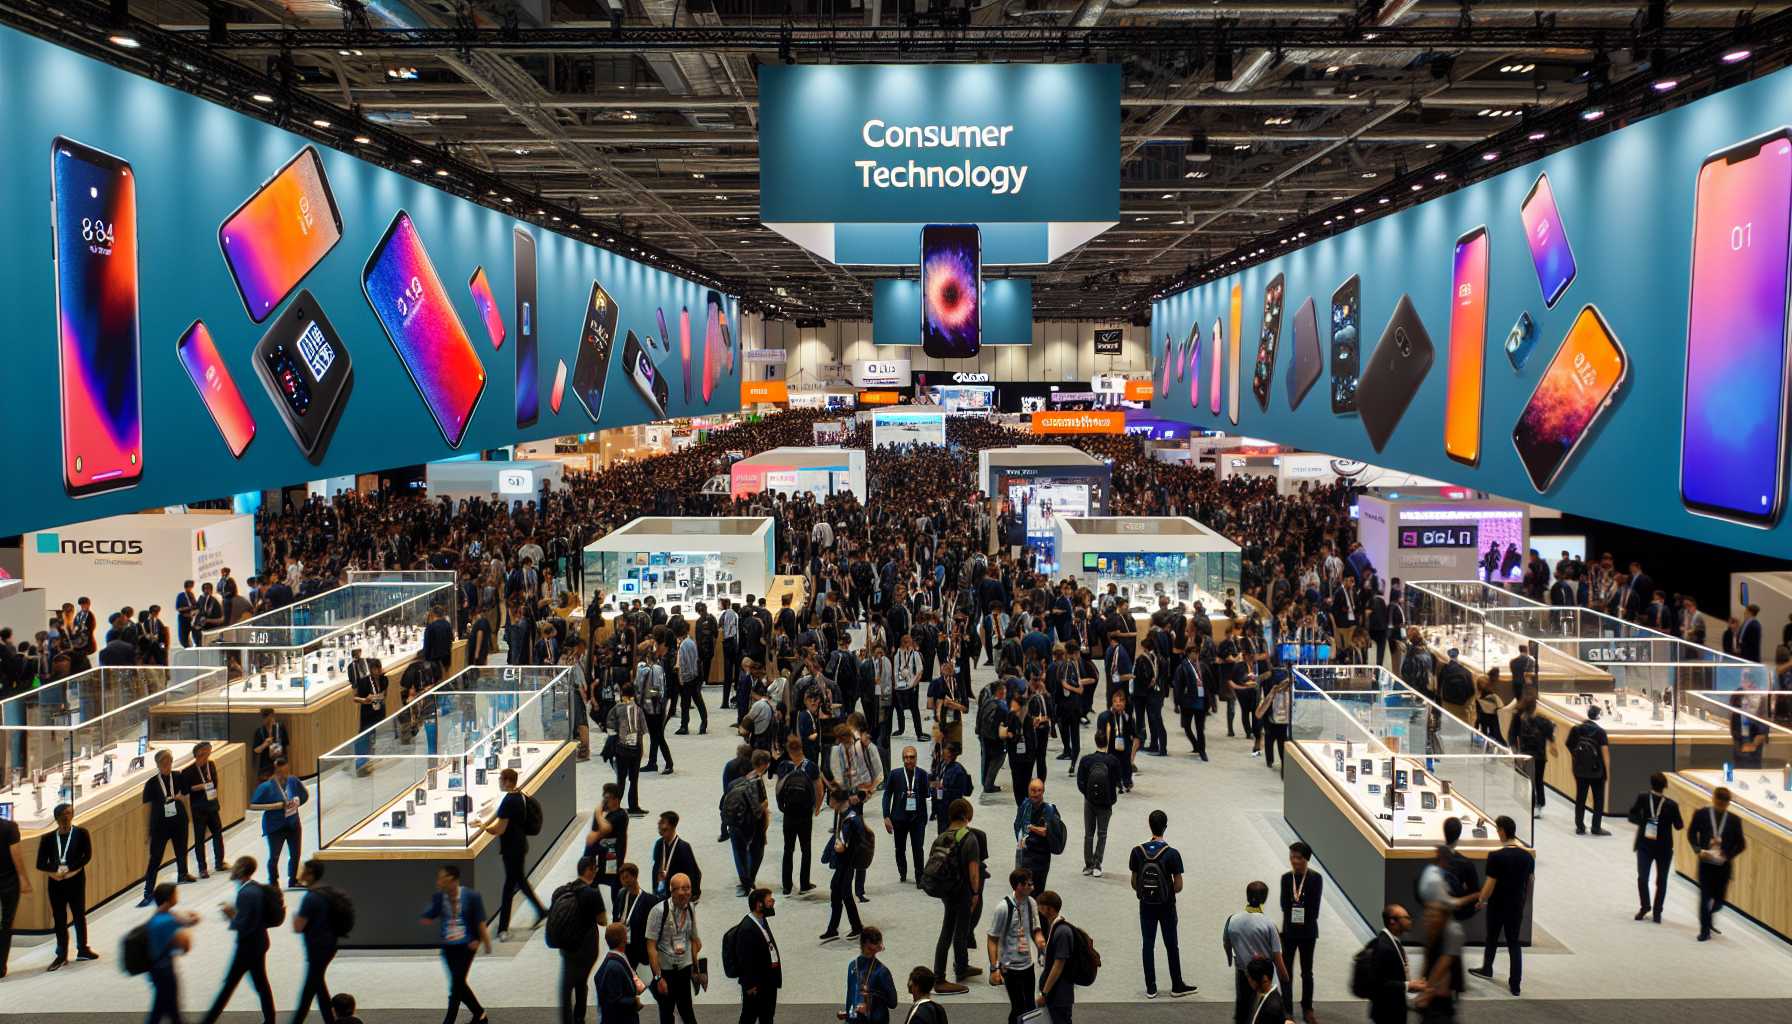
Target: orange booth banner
1137	391
880	397
1068	422
752	391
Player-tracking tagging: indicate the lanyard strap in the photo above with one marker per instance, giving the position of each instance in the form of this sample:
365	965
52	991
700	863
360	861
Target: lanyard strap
62	847
166	782
1298	884
1654	807
666	868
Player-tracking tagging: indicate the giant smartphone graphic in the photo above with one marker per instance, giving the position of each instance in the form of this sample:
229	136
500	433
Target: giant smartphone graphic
591	367
684	348
951	291
727	341
1574	391
641	373
93	221
1468	349
1219	359
1543	231
1167	359
1263	372
217	389
712	344
1733	430
280	233
1234	331
306	372
1303	370
407	296
1347	330
1194	366
487	304
1394	372
527	347
559	391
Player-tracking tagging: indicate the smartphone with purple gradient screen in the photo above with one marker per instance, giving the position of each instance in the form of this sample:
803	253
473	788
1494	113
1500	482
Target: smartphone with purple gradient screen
1550	252
1733	430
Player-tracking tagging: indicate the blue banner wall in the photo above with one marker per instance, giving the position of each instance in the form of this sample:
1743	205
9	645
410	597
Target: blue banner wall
194	163
1007	312
1626	204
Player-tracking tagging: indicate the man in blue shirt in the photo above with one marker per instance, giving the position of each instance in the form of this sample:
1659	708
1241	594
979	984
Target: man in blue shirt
249	920
458	914
317	928
167	937
870	990
279	799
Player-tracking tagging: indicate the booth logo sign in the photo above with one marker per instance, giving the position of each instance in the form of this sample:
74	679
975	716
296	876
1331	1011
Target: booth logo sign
970	378
1108	341
53	544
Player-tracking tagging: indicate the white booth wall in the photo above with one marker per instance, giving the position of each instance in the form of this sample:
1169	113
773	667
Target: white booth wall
817	470
739	546
1435	534
512	481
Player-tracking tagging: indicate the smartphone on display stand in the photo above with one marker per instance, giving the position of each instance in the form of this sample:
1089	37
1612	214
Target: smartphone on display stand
487	304
93	233
1234	329
1303	370
1576	388
408	299
1550	252
1219	356
648	381
591	367
1468	349
559	391
1347	316
1520	340
1262	374
217	389
307	373
1394	372
527	347
1733	426
280	233
952	291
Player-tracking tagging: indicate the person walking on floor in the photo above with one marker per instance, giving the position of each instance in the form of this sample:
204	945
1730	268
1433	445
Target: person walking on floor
958	885
627	723
168	937
509	824
673	946
458	915
760	968
1390	981
801	796
253	910
1038	833
748	815
1302	892
1156	870
1057	987
1444	979
1098	779
617	988
1248	937
279	798
62	854
1508	886
870	990
842	854
168	818
1590	754
574	933
952	782
1716	837
1656	817
316	922
1016	940
673	855
906	793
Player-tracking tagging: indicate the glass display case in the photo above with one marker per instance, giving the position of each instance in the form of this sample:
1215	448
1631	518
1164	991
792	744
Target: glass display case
1405	764
294	656
1460	617
1754	759
89	737
419	779
681	560
1147	557
1639	659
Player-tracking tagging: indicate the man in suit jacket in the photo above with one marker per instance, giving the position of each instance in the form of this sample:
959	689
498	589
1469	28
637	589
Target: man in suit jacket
1748	637
1266	1006
62	854
1656	817
906	791
920	989
1716	837
438	639
756	955
1392	983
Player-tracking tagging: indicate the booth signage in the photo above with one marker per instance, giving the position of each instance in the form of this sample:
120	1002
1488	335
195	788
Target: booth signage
752	391
1137	391
766	355
1108	341
970	378
1091	422
880	373
879	397
1466	536
515	481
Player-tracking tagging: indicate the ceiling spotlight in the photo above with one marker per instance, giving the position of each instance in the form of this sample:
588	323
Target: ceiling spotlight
416	162
507	200
320	122
1383	201
1333	69
1490	156
125	40
697	174
1416	187
363	140
1368	174
1430	145
1300	234
1538	136
1439	176
1237	147
441	172
1360	211
1665	84
262	97
1736	55
1327	223
1592	114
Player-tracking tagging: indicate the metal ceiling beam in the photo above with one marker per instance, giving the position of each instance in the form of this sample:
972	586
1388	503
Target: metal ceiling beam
1368	96
672	137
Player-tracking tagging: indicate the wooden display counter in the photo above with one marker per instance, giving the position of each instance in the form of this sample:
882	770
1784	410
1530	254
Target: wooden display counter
315	728
1363	866
391	887
1635	754
119	829
1761	879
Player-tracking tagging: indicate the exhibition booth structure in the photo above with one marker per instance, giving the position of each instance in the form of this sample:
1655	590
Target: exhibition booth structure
1034	485
820	471
682	560
1754	762
1374	770
296	660
1147	557
90	740
1418	539
508	481
416	788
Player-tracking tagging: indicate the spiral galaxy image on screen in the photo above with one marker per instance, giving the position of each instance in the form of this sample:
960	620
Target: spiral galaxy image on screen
949	288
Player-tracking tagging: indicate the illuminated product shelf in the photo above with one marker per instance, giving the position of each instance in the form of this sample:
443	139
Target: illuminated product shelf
681	560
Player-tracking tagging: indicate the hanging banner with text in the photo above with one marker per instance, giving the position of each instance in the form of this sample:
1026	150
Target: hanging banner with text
1109	342
855	159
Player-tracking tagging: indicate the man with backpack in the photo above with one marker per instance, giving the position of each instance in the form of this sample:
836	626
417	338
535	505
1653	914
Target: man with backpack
324	917
1590	753
846	848
517	818
1016	939
1098	779
1039	833
800	799
748	815
1417	665
150	949
1061	972
575	916
1156	868
255	909
992	712
1456	687
1378	972
953	875
1246	937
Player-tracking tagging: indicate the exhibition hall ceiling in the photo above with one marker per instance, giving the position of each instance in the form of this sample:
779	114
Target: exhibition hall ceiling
636	123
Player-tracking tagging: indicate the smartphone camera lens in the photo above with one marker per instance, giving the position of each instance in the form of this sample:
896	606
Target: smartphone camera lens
1402	343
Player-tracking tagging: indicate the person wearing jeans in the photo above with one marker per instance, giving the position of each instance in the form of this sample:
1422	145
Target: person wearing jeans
955	922
458	915
1015	940
1156	869
279	799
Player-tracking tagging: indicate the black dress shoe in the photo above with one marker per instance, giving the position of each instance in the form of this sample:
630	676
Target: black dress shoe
1481	972
1642	913
682	732
185	880
87	954
57	964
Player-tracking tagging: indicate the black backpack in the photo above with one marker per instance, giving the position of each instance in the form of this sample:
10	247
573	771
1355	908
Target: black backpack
1085	962
1098	783
740	806
342	911
939	876
1415	669
1456	685
796	792
1057	836
134	950
1362	971
864	848
562	931
989	720
1585	752
730	954
1155	885
532	816
273	906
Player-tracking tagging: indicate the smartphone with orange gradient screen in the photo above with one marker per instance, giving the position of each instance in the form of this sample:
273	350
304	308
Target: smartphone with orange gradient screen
1237	350
1468	349
1578	386
559	386
487	304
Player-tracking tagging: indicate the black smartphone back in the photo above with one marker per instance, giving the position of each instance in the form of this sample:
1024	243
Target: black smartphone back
592	366
305	369
1394	373
1303	370
1347	330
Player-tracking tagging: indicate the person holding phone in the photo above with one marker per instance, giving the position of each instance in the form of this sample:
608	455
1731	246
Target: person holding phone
279	799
